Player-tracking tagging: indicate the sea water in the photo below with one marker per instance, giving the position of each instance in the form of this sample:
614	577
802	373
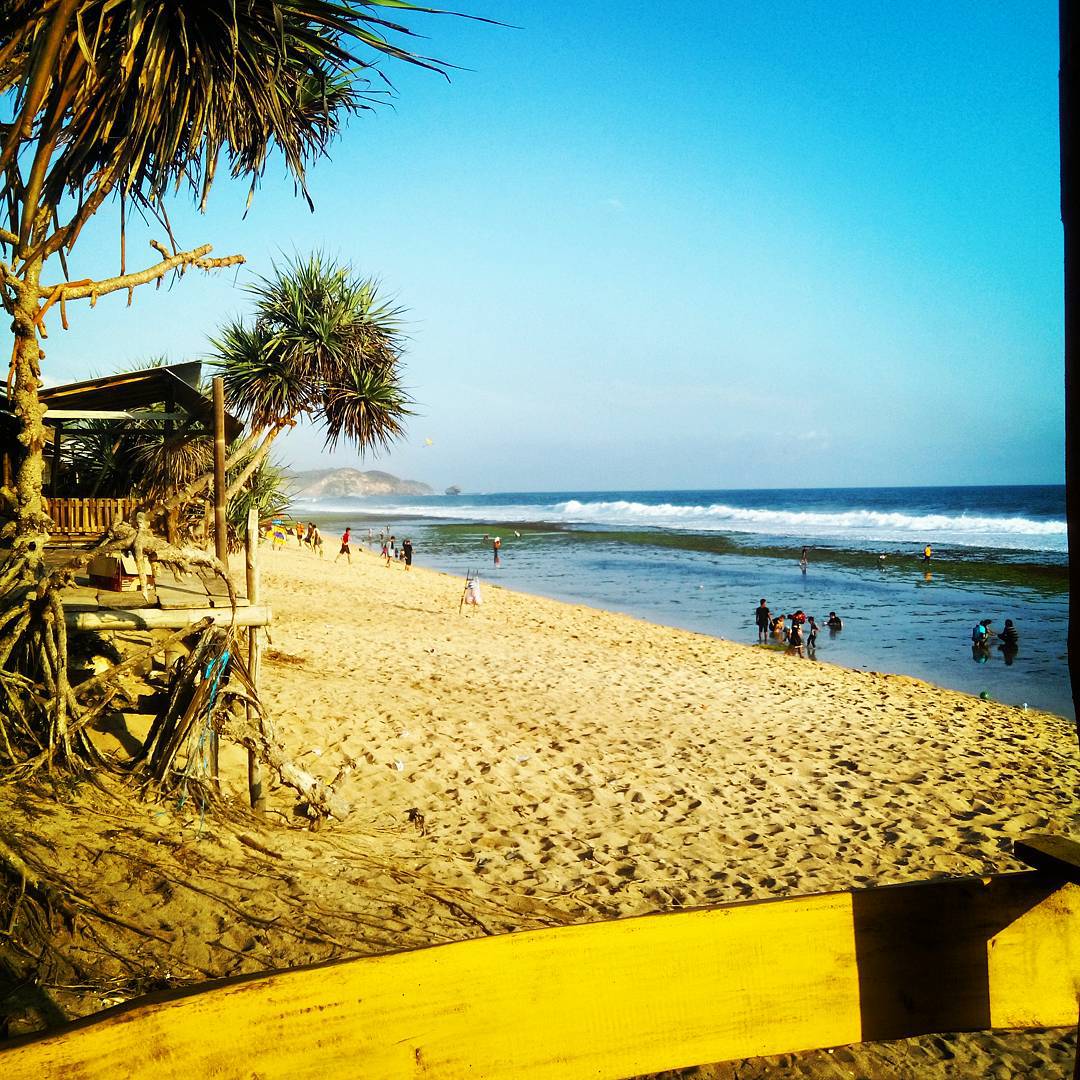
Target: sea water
701	560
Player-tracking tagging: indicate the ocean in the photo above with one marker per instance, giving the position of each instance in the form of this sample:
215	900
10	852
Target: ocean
701	560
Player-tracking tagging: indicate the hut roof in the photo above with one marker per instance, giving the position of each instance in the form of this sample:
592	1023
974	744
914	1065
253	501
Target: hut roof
176	383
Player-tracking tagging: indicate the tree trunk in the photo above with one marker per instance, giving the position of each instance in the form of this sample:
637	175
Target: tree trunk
256	460
33	524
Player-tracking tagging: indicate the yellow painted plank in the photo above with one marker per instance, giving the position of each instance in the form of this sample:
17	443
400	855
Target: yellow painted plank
616	999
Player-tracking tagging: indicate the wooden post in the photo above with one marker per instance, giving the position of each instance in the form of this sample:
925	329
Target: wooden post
221	547
251	569
221	540
172	517
53	480
1067	130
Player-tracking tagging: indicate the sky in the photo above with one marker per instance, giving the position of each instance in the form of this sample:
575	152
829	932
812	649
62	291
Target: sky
701	244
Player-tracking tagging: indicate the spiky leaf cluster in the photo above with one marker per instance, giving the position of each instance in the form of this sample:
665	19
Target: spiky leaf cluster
322	346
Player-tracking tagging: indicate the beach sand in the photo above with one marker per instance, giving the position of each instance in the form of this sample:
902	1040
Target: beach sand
532	763
611	767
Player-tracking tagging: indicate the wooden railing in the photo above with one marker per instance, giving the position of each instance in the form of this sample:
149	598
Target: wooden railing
86	518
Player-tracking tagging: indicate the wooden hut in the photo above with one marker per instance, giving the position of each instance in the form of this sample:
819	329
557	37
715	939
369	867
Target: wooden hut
168	395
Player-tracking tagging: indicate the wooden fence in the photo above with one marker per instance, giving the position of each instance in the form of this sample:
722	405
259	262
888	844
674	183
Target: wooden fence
81	519
616	999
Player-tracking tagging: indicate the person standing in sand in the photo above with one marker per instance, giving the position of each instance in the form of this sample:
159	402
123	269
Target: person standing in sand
345	549
406	551
762	617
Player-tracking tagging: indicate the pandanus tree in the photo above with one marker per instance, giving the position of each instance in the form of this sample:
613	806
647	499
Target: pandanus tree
137	100
321	345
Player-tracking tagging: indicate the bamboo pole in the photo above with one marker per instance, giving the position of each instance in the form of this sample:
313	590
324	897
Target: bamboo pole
251	571
149	618
221	546
221	540
172	515
54	479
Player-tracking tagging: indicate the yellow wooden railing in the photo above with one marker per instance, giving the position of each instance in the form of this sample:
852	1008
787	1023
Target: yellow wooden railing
616	999
86	518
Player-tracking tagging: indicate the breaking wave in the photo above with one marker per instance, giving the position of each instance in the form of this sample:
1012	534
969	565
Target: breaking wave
853	526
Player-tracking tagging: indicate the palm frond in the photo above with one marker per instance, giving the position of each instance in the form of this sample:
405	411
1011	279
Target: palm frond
367	407
322	345
166	464
148	95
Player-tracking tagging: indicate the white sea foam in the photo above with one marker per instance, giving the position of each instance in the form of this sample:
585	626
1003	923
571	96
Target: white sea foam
852	526
838	525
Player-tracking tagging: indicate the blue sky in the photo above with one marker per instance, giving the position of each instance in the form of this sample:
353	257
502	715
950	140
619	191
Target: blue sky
688	245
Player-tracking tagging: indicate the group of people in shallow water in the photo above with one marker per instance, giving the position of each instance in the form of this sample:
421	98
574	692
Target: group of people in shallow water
983	636
798	631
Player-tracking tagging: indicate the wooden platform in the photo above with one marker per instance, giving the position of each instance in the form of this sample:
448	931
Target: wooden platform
171	603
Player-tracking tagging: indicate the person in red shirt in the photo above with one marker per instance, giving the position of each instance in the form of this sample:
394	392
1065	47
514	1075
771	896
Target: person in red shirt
345	549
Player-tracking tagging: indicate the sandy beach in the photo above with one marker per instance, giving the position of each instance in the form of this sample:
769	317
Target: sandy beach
574	752
610	767
532	763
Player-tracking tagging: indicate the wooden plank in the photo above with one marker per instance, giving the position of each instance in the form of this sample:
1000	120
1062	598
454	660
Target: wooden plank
79	597
175	592
1054	855
217	590
152	618
132	598
615	999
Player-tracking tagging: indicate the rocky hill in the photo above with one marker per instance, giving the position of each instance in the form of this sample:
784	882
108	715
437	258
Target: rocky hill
335	483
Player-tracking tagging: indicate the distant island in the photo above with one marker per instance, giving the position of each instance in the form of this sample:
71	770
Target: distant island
335	483
453	489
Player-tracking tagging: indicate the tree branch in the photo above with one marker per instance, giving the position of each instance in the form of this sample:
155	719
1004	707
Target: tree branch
9	238
9	279
195	257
